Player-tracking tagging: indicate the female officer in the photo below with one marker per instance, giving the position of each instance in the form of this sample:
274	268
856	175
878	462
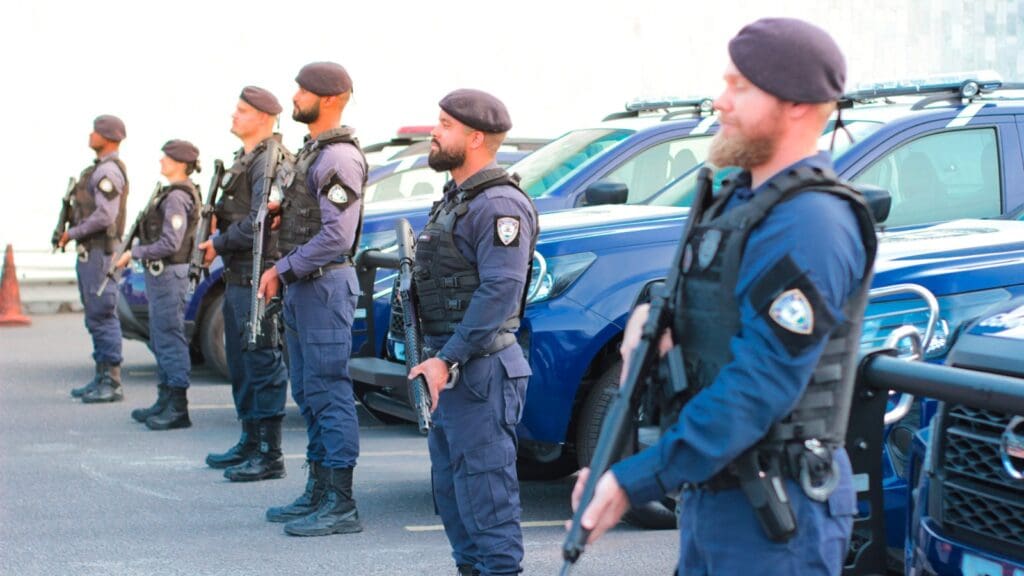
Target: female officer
166	233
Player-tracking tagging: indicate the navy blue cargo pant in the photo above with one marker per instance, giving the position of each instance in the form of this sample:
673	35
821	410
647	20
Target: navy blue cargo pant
259	381
473	462
166	295
318	327
100	311
719	533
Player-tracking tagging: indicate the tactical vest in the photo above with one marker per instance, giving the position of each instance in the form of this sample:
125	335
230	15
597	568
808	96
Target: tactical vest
85	205
445	280
708	316
235	202
300	210
152	224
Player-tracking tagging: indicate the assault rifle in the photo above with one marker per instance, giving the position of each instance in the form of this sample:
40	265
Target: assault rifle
259	311
643	367
195	264
64	217
410	320
127	244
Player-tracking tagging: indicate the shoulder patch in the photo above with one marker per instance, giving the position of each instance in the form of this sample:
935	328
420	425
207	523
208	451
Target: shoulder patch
337	194
792	306
506	230
791	310
177	221
106	186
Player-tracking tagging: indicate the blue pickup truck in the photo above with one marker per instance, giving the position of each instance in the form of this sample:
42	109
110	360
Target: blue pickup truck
943	155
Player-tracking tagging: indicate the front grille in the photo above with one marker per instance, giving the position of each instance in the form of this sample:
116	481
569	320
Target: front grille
981	503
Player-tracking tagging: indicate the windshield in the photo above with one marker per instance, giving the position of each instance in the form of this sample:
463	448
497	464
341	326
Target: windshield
540	171
679	192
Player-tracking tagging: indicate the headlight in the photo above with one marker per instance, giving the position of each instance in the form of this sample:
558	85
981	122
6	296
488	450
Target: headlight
881	318
379	240
552	276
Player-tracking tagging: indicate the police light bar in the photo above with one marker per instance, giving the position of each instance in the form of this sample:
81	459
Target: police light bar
413	132
703	105
961	84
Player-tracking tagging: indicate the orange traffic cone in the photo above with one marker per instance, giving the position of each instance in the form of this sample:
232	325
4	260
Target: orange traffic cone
10	298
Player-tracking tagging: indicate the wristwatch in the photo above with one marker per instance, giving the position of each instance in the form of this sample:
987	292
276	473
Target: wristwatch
453	372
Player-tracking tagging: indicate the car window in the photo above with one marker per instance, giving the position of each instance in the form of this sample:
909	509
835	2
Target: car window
563	157
940	177
417	182
649	171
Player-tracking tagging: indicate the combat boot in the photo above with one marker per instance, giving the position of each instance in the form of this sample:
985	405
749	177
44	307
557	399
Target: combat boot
268	462
246	447
305	504
175	413
81	390
337	512
466	570
108	387
162	393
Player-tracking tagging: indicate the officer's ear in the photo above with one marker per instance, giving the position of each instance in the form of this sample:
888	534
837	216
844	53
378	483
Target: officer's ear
476	139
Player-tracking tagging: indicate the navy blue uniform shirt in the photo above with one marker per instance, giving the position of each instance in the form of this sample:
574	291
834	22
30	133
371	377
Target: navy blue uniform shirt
502	268
338	225
106	208
764	381
175	207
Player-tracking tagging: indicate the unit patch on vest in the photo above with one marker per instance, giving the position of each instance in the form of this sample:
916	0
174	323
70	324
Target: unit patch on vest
708	248
177	221
506	230
107	187
792	311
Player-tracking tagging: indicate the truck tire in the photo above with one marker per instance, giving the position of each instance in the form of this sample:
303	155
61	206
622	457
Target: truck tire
211	335
658	515
530	470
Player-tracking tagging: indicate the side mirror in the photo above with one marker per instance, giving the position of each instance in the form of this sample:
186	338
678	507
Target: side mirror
606	192
879	201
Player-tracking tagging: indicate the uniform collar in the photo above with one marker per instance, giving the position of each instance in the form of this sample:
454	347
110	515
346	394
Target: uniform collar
822	159
450	189
110	156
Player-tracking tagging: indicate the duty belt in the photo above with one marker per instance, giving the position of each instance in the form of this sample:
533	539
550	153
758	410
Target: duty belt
290	277
500	342
237	278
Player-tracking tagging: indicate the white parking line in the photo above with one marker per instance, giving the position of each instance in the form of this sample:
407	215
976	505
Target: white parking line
532	524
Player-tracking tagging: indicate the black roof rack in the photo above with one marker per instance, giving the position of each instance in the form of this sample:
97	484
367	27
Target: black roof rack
949	87
672	107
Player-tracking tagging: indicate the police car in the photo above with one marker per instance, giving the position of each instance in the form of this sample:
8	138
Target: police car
960	138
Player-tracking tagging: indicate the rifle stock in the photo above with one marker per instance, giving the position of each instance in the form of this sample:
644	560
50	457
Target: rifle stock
258	309
64	216
410	321
203	231
642	366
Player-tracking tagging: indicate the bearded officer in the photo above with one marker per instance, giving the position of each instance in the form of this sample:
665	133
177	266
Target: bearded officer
321	218
97	225
259	381
472	269
768	319
166	235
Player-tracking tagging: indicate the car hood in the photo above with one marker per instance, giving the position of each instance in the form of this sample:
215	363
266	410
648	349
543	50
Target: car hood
626	222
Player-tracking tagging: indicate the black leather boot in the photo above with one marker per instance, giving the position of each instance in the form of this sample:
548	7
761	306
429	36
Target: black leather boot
108	387
162	392
268	462
175	413
246	446
337	512
466	570
305	504
81	390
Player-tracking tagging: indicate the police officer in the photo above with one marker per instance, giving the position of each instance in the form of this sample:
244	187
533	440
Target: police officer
97	225
166	233
321	218
259	381
472	268
773	287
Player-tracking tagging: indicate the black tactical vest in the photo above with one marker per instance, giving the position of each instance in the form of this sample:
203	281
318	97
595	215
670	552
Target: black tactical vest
300	210
708	316
85	204
445	280
153	222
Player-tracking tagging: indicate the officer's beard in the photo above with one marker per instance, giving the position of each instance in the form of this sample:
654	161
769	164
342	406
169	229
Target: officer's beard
442	160
739	150
306	116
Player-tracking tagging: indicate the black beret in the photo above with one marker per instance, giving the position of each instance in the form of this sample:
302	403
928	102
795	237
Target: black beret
110	127
261	100
791	59
478	110
181	150
324	78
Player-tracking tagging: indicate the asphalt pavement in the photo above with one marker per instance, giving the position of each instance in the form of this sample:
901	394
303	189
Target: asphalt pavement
85	490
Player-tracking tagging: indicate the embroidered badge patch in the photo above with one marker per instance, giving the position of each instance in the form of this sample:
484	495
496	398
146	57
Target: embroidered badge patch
708	248
105	185
506	230
792	311
177	221
337	194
